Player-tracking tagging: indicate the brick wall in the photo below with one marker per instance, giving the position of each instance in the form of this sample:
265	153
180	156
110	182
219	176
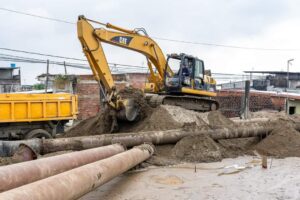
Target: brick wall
87	90
230	100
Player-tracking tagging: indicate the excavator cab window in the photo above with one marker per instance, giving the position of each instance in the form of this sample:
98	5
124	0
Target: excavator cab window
173	82
174	64
186	71
198	74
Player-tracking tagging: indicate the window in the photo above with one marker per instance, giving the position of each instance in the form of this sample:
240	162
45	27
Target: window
292	110
174	64
198	73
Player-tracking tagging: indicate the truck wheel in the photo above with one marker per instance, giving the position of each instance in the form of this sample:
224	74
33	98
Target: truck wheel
38	133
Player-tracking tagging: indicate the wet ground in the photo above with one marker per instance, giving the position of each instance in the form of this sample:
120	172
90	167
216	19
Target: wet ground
239	178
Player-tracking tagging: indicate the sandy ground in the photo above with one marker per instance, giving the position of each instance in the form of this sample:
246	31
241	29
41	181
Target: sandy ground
239	178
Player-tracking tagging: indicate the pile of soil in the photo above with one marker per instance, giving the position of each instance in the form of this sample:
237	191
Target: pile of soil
271	114
158	120
232	148
164	117
200	148
187	119
97	125
284	141
102	122
217	120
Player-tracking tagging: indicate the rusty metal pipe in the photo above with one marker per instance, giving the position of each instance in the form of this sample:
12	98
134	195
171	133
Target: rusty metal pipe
8	148
154	137
79	181
12	176
133	139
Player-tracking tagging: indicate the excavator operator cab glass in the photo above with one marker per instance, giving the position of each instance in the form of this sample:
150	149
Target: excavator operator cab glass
199	69
198	74
174	64
173	81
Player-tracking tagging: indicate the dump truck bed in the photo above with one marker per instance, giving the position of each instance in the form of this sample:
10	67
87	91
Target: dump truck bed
37	107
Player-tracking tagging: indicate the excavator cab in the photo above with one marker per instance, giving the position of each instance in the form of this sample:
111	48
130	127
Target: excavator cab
188	73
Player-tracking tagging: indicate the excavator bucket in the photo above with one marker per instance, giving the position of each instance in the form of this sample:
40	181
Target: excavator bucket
130	110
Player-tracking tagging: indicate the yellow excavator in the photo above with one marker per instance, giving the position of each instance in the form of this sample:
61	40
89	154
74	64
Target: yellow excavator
179	79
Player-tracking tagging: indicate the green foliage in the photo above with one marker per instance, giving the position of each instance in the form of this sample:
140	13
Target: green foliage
61	78
38	86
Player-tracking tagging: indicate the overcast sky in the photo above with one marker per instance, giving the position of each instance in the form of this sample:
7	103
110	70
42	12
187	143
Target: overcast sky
249	23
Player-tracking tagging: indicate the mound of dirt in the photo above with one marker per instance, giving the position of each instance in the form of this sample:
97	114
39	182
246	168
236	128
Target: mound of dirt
99	124
217	119
270	114
232	148
102	122
186	117
158	119
284	141
200	148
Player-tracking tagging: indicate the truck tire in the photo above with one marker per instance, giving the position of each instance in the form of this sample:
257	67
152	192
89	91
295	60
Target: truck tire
38	133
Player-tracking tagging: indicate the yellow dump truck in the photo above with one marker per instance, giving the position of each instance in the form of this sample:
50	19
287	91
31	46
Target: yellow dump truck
24	116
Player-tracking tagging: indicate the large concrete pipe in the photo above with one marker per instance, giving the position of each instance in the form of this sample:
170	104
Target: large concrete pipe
12	176
79	181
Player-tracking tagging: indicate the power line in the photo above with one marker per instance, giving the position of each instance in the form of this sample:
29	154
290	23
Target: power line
61	57
42	54
115	67
38	16
225	46
160	38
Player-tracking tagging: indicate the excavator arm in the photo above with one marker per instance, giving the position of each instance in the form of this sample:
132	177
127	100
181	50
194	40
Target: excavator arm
92	38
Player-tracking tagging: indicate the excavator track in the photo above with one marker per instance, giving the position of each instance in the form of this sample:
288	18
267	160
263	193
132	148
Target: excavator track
200	104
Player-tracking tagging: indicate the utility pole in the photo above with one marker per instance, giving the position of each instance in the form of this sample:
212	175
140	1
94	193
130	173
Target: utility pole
47	77
65	68
246	100
288	84
288	73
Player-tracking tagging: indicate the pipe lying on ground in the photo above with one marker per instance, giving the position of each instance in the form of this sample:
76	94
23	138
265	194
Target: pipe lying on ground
12	176
8	148
79	181
129	139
